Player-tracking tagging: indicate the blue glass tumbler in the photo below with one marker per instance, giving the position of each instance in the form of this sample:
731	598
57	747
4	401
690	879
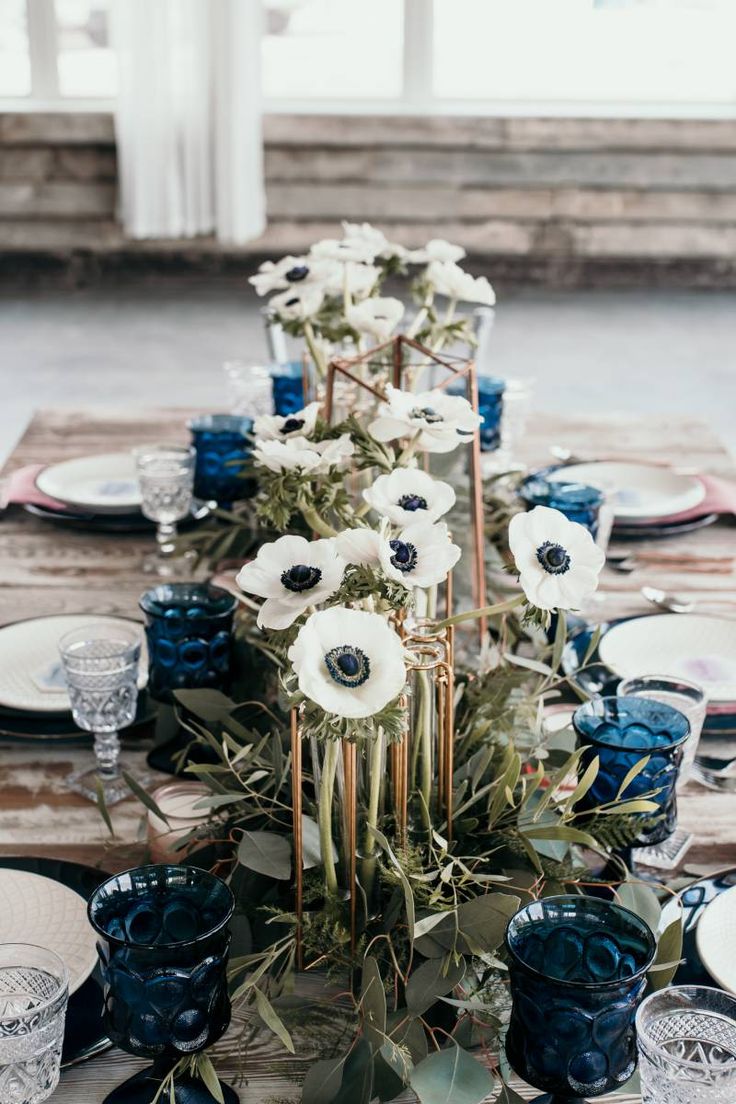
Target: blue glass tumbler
223	445
490	407
163	943
577	501
189	635
622	732
577	971
287	380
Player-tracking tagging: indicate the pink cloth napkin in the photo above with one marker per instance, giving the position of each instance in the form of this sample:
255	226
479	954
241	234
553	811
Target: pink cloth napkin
720	498
20	487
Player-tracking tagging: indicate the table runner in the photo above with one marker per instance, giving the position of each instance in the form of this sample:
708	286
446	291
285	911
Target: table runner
46	569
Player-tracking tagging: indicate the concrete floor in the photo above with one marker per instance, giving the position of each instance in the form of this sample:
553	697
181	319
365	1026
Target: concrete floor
631	352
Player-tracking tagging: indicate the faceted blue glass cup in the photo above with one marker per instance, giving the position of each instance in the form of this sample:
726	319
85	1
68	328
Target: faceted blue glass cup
490	407
189	635
223	445
577	971
622	732
288	387
577	501
163	944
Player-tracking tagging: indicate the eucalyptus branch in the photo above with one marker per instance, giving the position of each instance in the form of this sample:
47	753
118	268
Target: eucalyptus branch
487	611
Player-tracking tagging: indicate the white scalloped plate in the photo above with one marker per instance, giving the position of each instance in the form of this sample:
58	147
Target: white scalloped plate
637	492
104	484
30	665
682	645
38	910
715	938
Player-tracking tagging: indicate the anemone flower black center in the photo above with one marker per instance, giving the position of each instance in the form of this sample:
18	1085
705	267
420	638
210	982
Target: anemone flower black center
412	502
300	577
292	424
553	558
427	414
349	666
404	557
297	273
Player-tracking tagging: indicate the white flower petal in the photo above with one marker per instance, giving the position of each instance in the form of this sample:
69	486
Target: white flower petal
358	546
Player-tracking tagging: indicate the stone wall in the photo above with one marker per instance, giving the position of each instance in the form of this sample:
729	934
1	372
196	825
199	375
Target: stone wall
563	200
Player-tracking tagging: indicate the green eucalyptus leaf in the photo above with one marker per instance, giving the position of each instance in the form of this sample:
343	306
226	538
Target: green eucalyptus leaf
323	1080
408	895
211	706
642	900
266	853
270	1017
373	1003
451	1076
631	774
311	844
206	1072
586	781
407	1031
508	1096
435	978
668	956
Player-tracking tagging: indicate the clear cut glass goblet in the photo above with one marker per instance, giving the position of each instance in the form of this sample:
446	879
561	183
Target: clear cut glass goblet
166	479
686	1035
163	946
100	663
33	998
578	972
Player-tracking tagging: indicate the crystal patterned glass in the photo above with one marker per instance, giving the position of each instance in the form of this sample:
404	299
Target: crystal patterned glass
100	664
33	1000
578	972
249	388
166	479
163	946
686	1035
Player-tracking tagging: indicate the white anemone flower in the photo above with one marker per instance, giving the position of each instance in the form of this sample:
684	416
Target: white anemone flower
291	272
364	234
408	495
452	281
358	546
351	663
291	574
376	317
442	421
298	304
437	249
420	556
299	454
275	427
558	561
332	249
354	279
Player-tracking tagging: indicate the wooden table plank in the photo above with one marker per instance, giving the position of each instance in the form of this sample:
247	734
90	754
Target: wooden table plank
46	569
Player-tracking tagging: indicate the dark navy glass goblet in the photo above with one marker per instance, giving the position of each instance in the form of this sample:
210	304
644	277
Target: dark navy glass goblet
577	501
287	382
163	944
490	407
577	972
622	732
223	445
189	635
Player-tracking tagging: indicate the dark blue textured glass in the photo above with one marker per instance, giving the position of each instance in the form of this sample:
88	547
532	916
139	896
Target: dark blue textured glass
577	973
576	501
223	444
622	732
490	407
189	635
288	387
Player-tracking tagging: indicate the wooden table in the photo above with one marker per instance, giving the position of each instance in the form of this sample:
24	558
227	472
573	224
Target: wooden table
47	569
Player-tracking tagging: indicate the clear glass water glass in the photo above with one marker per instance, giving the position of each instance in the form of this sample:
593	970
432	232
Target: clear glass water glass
34	990
166	478
100	664
686	1036
688	697
249	388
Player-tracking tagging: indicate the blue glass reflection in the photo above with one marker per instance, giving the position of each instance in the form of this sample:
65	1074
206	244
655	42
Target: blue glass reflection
288	387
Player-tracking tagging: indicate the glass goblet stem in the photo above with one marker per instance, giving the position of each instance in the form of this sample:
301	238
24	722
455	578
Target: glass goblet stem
107	755
165	538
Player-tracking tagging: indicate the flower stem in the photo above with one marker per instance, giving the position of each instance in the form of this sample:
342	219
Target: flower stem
316	355
316	522
487	611
375	767
326	793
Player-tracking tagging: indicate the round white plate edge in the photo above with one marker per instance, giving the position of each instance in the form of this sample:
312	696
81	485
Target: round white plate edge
54	492
702	935
642	515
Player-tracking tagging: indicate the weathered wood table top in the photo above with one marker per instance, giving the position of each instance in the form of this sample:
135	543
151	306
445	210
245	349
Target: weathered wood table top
46	569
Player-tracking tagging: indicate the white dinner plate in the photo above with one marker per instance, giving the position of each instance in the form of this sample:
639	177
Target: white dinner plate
31	676
637	492
105	484
38	910
715	938
682	645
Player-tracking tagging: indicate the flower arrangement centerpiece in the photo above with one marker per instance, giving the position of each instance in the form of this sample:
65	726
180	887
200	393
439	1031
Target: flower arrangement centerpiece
387	808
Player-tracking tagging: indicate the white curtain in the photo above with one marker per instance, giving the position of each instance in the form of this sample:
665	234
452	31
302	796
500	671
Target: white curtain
188	119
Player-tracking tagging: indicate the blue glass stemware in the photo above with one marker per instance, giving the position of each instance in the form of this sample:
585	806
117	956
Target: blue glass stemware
577	972
622	732
223	445
189	634
163	944
490	407
577	501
